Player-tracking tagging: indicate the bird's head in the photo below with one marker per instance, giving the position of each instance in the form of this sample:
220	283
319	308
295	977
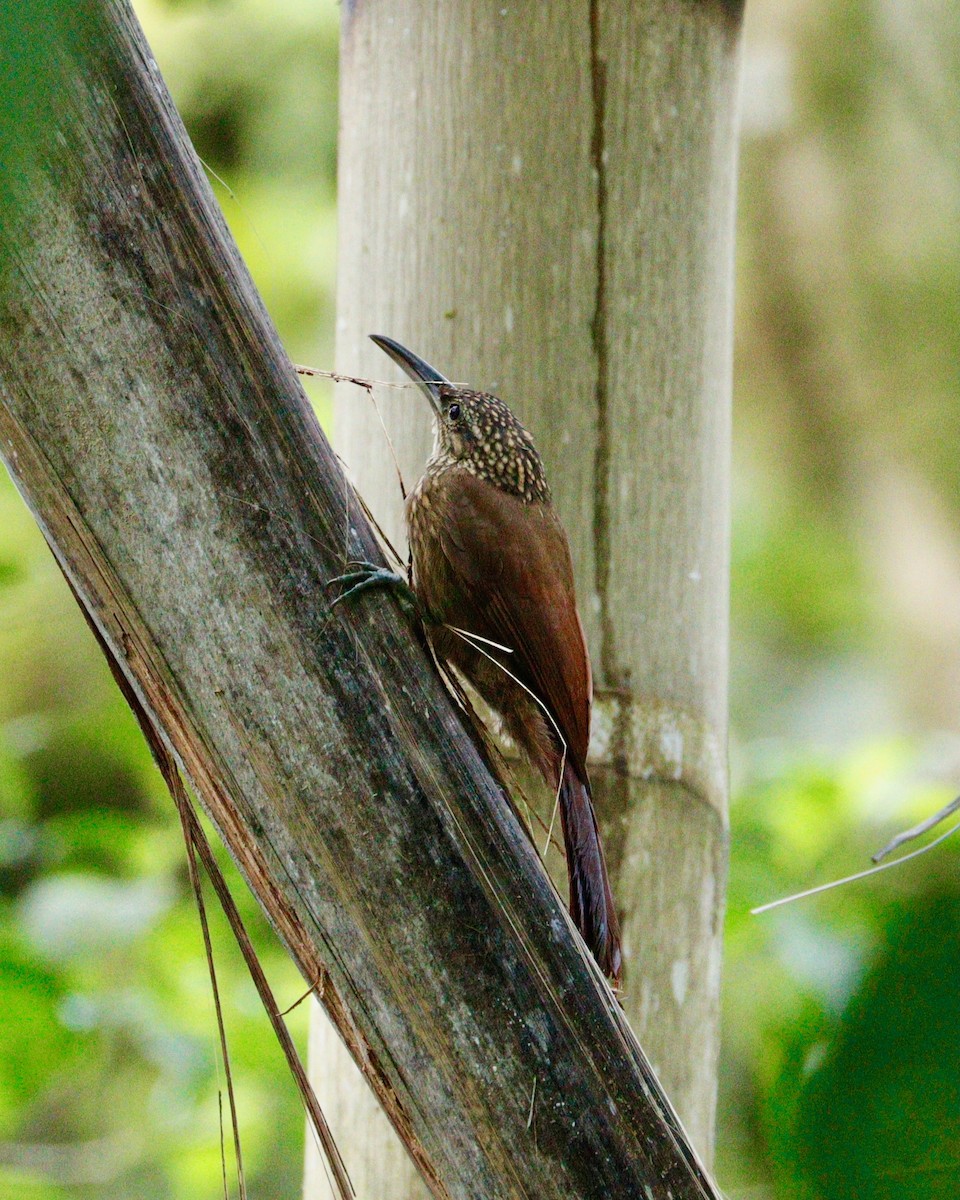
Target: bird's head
474	430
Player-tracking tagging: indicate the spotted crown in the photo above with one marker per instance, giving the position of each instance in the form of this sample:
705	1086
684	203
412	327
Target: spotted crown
478	433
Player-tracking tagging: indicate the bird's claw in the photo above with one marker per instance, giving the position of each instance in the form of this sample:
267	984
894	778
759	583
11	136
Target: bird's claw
369	575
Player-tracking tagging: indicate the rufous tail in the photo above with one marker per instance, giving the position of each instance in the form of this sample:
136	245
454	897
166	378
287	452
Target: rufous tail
591	901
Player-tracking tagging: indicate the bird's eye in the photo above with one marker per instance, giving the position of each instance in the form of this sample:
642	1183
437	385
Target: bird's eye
453	412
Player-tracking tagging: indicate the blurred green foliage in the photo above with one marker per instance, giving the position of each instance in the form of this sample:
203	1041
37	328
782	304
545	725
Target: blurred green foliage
837	1077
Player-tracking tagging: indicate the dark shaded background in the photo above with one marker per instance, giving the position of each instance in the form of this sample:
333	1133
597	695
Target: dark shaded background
840	1076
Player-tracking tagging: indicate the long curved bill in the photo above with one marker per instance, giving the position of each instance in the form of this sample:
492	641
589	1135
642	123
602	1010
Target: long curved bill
427	378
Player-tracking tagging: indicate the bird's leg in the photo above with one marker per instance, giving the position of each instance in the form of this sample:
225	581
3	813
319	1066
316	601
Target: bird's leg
368	575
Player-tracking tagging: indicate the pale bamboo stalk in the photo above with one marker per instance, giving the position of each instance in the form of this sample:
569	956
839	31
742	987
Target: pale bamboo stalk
540	201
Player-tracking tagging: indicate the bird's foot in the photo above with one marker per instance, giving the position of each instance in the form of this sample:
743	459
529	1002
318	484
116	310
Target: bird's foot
368	575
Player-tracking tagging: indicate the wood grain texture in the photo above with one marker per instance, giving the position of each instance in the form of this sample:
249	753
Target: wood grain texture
150	418
539	199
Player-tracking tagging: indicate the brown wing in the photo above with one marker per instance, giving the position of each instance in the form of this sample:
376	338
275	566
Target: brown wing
513	562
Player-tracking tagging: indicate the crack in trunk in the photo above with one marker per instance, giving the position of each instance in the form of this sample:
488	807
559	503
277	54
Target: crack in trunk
598	329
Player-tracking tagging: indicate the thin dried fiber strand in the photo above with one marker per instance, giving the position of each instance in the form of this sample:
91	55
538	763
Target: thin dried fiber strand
472	640
338	377
180	799
331	1156
195	837
826	887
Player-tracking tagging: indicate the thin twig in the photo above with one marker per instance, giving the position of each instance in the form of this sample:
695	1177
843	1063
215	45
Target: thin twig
337	377
553	820
502	766
826	887
316	987
236	199
183	806
390	445
331	1157
473	639
331	1152
918	830
398	561
223	1145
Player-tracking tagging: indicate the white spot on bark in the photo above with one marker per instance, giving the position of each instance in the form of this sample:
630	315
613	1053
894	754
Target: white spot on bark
679	978
508	319
403	206
601	731
517	164
671	747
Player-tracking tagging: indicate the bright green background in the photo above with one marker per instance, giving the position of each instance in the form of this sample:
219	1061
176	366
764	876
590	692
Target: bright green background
840	1076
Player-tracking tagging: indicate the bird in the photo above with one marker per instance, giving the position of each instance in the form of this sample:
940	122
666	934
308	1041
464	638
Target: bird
491	573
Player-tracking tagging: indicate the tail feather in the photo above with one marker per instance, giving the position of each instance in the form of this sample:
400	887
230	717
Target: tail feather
591	901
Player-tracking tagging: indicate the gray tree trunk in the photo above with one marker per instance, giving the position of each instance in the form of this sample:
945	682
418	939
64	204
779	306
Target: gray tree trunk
540	201
150	418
